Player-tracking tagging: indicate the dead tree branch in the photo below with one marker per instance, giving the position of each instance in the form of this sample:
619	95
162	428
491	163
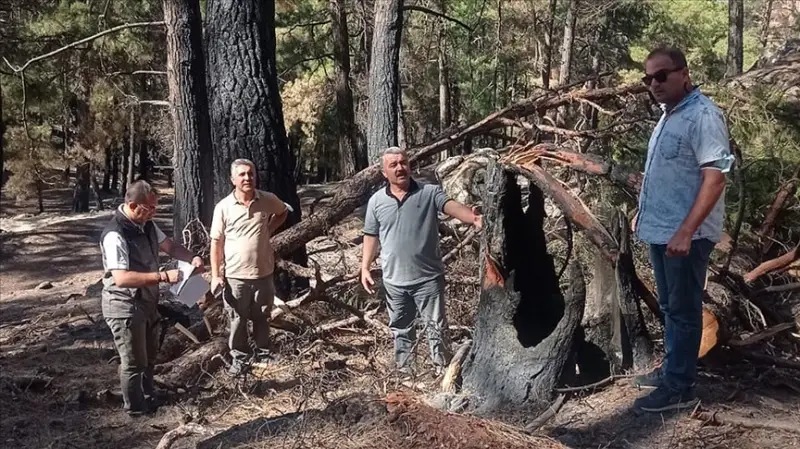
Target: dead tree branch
82	41
182	431
437	14
724	418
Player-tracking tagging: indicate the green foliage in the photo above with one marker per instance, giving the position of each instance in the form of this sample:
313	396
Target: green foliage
700	29
88	88
770	147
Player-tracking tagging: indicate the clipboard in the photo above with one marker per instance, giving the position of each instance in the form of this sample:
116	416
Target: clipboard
192	286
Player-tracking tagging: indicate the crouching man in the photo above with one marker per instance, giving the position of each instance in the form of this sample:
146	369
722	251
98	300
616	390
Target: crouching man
130	244
403	217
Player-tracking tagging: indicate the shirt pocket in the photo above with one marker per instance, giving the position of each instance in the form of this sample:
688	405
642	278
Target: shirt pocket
669	145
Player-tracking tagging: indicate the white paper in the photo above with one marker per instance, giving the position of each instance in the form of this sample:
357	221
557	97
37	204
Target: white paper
191	287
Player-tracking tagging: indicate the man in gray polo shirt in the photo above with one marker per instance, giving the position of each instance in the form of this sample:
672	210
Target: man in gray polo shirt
404	218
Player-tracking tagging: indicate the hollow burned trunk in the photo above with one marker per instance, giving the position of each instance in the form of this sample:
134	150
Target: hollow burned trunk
525	327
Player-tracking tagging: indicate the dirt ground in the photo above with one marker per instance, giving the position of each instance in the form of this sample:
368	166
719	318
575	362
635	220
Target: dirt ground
59	386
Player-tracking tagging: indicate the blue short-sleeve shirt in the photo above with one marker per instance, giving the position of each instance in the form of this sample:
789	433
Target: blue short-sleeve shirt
691	137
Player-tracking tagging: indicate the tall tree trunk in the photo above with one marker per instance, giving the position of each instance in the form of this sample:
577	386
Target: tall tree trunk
144	160
2	137
566	55
116	170
568	43
444	83
735	43
241	65
766	18
107	169
384	78
131	148
96	190
445	115
188	97
402	136
80	193
349	160
547	67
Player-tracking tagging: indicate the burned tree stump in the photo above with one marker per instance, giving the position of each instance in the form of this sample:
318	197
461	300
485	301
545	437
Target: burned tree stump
614	334
524	327
630	331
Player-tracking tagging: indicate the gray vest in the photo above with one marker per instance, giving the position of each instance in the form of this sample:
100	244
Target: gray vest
142	241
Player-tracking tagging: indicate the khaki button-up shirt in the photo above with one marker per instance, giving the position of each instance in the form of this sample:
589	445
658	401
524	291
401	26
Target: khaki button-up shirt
248	252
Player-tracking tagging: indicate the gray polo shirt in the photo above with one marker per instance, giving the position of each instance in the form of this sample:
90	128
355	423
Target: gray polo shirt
408	232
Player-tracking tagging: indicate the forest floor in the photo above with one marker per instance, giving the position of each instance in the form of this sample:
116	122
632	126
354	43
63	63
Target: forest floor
59	386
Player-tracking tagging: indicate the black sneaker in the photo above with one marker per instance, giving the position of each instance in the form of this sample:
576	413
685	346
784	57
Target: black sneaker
650	380
663	399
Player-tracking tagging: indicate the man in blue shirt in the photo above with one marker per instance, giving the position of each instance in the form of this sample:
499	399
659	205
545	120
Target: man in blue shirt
681	210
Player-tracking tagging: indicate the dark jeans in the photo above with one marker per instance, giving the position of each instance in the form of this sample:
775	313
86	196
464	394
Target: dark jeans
680	282
137	345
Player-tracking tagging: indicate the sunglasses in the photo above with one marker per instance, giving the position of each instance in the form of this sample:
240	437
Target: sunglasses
659	76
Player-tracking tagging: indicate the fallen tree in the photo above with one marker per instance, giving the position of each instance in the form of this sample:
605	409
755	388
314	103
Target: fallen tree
355	190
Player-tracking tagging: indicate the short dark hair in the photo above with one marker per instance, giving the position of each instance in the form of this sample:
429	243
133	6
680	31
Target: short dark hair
139	192
675	55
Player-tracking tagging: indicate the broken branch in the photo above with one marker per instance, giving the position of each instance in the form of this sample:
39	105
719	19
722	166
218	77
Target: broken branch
724	418
183	431
82	41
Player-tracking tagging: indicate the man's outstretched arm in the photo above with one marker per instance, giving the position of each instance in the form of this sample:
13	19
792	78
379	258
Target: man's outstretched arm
463	213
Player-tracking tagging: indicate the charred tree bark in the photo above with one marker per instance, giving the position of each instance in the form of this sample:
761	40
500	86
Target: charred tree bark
80	193
635	344
735	41
245	104
524	326
350	158
2	138
186	76
384	78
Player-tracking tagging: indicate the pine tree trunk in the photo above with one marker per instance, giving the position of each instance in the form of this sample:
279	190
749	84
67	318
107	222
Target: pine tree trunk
349	160
735	42
548	56
115	172
240	37
96	190
186	75
384	78
144	160
568	43
2	135
80	195
107	170
131	148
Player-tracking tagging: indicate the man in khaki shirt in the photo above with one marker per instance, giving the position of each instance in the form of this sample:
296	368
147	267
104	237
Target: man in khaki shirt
243	223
